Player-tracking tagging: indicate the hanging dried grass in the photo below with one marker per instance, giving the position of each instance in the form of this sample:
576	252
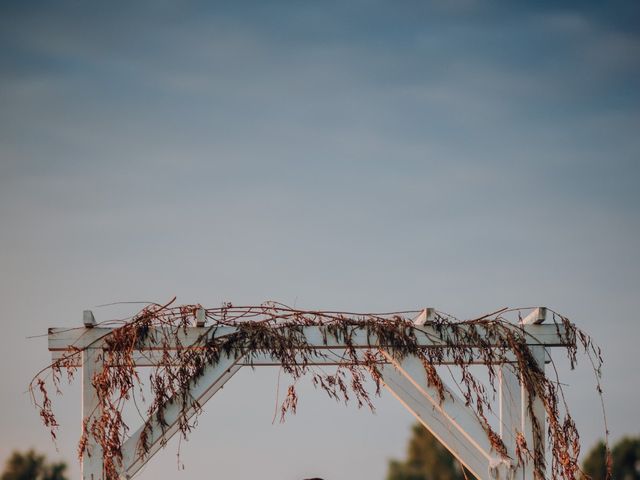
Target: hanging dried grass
278	331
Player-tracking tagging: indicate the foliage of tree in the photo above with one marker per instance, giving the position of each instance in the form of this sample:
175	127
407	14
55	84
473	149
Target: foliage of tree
595	463
32	466
625	456
427	459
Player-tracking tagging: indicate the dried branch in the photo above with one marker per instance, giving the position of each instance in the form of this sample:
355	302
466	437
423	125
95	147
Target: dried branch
277	330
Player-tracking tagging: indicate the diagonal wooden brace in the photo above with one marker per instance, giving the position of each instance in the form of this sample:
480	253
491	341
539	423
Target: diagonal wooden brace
454	424
201	390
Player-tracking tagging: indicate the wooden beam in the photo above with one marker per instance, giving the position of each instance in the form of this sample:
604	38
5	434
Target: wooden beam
426	315
337	356
316	336
88	320
536	317
201	317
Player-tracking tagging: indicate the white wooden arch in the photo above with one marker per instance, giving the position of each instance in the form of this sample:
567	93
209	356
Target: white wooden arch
456	426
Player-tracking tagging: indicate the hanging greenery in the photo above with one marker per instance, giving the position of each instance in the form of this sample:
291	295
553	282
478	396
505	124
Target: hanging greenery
278	331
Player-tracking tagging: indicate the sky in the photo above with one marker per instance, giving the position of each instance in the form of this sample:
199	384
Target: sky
361	156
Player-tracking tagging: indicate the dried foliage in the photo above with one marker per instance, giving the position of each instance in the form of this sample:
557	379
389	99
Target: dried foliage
277	331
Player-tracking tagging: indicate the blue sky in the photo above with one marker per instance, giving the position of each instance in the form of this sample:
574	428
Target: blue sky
363	155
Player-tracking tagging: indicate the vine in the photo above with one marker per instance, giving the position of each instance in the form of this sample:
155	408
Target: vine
277	331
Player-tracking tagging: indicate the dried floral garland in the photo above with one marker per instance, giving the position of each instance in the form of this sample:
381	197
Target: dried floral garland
276	330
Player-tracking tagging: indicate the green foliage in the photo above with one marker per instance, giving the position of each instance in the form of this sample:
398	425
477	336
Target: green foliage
625	457
32	466
595	463
427	459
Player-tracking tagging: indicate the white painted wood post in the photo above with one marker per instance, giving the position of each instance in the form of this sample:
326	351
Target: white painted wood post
92	461
515	417
92	362
533	442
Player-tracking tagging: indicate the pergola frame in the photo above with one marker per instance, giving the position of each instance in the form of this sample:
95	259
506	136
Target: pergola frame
456	426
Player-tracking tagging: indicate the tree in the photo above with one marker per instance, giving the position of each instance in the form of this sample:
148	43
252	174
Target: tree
427	459
32	466
625	457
